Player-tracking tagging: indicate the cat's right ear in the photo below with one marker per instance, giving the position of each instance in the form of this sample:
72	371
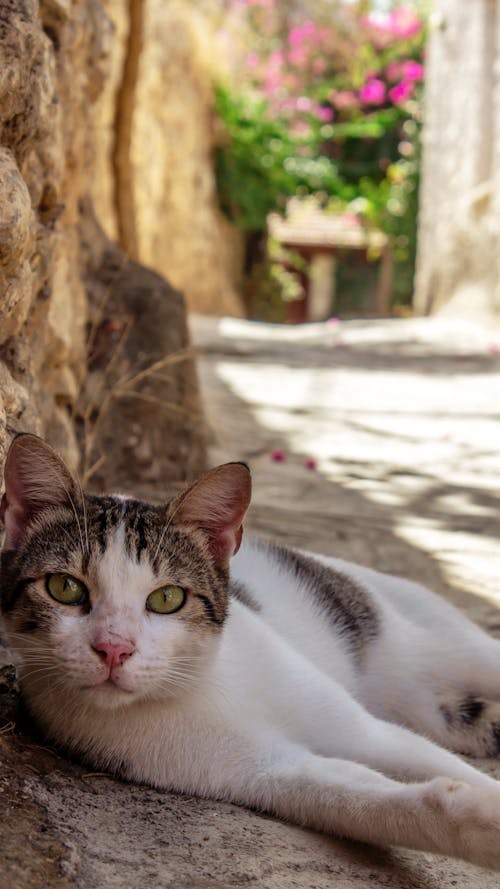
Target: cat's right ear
216	504
35	477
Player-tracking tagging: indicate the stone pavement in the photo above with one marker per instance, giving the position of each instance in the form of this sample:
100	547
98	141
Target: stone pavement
402	419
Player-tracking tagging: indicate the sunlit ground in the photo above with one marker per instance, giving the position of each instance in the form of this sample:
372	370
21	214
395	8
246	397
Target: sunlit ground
402	419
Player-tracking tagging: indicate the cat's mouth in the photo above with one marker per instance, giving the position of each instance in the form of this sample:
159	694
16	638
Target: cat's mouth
107	685
108	694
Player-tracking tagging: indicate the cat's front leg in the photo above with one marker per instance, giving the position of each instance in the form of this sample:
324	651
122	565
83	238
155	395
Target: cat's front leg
444	816
348	799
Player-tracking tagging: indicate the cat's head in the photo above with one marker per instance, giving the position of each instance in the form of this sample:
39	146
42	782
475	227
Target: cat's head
108	599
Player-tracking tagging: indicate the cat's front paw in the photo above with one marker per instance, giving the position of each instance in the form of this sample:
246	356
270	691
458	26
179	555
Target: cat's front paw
469	819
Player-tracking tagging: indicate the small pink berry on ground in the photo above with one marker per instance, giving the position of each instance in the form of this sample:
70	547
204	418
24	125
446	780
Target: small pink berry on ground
278	456
311	463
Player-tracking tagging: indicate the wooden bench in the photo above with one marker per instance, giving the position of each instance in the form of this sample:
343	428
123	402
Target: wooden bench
320	237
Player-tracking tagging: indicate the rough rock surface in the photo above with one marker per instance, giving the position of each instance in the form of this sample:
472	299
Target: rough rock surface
54	259
155	188
42	343
138	414
406	481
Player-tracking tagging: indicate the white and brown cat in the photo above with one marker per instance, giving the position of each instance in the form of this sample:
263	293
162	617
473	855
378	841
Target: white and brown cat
311	688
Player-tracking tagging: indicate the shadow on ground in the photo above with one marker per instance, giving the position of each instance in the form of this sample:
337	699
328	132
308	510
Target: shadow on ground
399	466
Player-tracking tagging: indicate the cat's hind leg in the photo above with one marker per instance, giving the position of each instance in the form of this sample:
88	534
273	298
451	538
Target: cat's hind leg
333	723
441	680
460	721
464	713
346	729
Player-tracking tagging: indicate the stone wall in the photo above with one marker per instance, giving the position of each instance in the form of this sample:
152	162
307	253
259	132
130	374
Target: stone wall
458	266
46	88
57	293
156	189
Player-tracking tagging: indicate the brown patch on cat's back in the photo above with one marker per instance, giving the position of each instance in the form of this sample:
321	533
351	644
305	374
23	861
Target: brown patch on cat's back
239	591
344	601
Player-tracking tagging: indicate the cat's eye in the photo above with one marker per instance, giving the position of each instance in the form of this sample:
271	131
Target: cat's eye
166	599
66	589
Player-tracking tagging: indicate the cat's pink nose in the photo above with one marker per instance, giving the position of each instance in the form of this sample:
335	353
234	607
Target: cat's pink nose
114	653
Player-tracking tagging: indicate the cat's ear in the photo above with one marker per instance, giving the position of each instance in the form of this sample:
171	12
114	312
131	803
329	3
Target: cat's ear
35	477
217	504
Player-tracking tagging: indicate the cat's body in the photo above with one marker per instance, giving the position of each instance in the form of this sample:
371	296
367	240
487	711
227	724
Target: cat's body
306	692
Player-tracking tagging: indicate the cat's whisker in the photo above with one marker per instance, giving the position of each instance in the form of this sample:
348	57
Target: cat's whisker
177	679
36	661
45	670
85	522
35	642
52	669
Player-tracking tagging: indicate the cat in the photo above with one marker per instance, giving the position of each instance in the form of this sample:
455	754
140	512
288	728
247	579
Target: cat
319	691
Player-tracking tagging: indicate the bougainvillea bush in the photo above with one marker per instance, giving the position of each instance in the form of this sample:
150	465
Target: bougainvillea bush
324	100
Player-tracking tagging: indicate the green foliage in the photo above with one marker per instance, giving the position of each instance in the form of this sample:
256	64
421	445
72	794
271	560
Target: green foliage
332	112
259	164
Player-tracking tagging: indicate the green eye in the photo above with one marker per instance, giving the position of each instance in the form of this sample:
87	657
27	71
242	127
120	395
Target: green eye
166	599
66	589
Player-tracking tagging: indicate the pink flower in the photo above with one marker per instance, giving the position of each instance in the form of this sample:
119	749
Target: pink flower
303	103
401	92
291	82
273	76
272	83
251	61
413	70
373	92
278	456
310	463
276	59
404	23
343	99
265	4
297	56
394	71
300	128
401	23
323	113
319	66
296	36
307	32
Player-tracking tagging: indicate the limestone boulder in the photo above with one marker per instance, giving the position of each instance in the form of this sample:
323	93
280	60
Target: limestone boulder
54	63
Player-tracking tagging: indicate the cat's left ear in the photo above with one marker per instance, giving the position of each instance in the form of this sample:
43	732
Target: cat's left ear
216	504
35	477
